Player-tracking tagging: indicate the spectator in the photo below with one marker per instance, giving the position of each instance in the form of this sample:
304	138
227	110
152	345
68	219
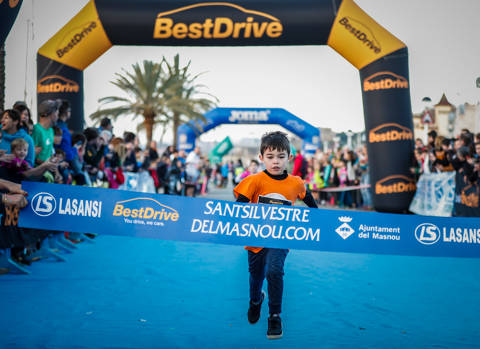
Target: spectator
106	124
299	165
130	162
162	169
77	165
11	130
94	151
25	116
192	165
43	132
64	113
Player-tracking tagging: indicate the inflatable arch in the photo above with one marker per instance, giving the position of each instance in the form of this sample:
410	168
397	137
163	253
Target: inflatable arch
9	10
381	58
188	133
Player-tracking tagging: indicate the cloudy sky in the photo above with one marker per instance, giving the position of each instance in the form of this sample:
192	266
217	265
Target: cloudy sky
314	83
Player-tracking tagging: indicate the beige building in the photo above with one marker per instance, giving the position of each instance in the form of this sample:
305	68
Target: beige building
449	120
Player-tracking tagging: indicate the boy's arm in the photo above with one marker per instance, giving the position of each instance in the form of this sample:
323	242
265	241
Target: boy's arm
242	198
309	200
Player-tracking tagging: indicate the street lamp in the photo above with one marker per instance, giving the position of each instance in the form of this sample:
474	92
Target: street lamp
349	139
451	123
426	119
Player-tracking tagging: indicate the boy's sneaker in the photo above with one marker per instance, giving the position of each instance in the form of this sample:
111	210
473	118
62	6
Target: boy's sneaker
274	327
254	310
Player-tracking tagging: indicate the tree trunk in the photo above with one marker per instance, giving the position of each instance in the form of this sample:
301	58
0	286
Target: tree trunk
148	120
176	124
2	77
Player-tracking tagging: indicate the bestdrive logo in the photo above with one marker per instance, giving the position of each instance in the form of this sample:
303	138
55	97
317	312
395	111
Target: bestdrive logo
395	184
362	33
144	210
389	133
74	37
384	80
56	84
253	24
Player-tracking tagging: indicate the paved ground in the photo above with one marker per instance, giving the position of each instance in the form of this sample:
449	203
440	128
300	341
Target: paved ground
141	293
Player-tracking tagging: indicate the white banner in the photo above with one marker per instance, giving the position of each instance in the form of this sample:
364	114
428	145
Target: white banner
435	194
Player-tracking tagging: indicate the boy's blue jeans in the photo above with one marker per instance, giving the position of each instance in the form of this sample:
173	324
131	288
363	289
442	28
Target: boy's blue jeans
267	263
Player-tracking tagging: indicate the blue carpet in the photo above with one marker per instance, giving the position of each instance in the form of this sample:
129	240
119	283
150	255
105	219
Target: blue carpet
141	293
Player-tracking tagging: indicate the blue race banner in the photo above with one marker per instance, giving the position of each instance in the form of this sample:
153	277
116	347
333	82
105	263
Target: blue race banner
125	213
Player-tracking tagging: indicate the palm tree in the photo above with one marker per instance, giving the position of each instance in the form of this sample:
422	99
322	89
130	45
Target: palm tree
184	101
145	87
161	96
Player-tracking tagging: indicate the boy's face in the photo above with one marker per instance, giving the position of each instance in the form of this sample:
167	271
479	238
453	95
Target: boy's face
21	152
57	139
275	160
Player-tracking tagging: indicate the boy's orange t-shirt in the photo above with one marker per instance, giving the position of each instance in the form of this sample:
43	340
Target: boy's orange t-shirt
291	188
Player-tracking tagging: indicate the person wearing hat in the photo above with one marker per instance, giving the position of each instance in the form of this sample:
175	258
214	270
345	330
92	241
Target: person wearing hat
43	131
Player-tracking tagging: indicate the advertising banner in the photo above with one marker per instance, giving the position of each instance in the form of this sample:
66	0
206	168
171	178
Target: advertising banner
58	81
187	133
466	197
117	212
389	128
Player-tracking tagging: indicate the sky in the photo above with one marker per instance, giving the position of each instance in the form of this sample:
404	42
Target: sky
313	82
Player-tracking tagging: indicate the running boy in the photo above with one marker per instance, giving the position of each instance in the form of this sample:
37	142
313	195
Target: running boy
274	182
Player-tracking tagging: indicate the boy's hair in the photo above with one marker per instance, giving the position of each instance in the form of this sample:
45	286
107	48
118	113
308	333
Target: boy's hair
276	140
253	161
57	131
17	143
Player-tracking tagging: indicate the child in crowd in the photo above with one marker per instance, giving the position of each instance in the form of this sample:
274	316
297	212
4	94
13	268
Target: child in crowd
269	262
17	169
251	169
314	180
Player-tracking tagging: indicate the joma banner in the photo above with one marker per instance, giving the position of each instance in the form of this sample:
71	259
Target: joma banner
118	212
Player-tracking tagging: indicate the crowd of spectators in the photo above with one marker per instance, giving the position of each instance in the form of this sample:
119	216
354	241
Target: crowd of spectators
440	154
48	151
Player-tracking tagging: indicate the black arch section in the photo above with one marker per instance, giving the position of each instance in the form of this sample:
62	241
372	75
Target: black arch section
9	11
308	21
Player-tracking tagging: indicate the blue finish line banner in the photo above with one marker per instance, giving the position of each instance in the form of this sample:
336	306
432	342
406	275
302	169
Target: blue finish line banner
117	212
